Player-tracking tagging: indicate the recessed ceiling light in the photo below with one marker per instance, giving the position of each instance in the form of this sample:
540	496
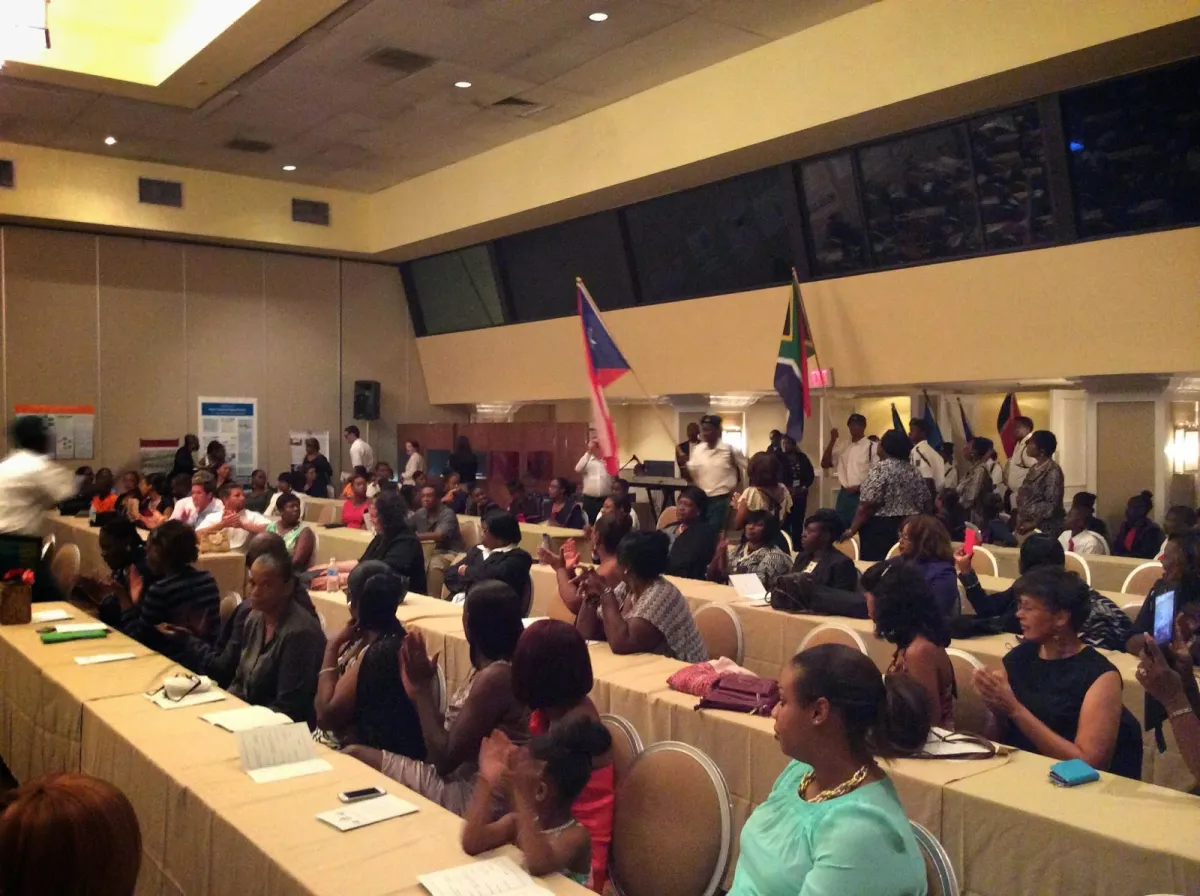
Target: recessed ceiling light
110	141
289	167
599	17
463	84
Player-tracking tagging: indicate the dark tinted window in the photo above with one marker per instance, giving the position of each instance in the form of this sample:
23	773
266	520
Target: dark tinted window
833	215
919	197
456	291
1135	151
1010	177
718	238
540	267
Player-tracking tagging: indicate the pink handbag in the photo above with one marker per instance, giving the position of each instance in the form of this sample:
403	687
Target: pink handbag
742	693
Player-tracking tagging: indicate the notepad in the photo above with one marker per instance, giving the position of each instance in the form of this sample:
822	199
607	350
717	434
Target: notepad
246	718
50	616
359	815
161	700
77	627
279	752
103	658
749	586
493	877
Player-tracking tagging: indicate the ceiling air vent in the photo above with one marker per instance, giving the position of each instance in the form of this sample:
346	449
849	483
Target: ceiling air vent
8	174
244	144
514	105
399	60
160	192
309	211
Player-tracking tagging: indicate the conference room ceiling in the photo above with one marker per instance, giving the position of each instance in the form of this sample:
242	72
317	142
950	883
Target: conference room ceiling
366	99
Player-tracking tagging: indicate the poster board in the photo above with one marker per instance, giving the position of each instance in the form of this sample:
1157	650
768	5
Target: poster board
157	455
71	428
234	423
296	439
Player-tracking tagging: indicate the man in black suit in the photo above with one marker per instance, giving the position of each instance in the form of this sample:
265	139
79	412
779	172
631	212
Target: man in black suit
499	556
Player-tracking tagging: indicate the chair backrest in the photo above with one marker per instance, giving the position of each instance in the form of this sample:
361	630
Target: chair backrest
667	517
848	547
527	597
1142	579
672	825
788	539
626	743
439	690
721	630
469	529
1131	610
893	551
833	633
48	545
327	515
1076	563
942	879
64	568
229	603
970	714
964	603
984	562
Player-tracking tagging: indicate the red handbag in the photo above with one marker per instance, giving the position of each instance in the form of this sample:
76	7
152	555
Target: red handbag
742	693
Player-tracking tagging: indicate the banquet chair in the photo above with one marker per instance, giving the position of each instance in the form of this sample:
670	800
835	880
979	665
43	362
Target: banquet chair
440	697
1076	563
672	825
667	517
469	529
984	562
64	568
848	547
942	879
833	633
48	545
1142	579
626	743
790	547
1131	610
970	714
893	551
721	631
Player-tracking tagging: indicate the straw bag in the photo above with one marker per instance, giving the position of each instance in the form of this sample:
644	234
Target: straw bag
16	603
213	542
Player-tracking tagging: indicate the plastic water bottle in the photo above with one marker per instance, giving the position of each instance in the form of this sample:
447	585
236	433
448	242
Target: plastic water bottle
332	580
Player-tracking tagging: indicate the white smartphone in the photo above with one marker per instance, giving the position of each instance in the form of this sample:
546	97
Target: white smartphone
357	796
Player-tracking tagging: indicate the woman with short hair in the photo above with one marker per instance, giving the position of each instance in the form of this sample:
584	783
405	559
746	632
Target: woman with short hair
891	492
299	538
756	554
316	483
1040	499
356	505
561	507
394	543
693	540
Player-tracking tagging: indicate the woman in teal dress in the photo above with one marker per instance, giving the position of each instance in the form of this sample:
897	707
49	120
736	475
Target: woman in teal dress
833	824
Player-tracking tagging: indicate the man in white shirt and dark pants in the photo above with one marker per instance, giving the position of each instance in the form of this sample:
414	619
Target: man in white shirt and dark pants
852	461
1020	463
924	458
597	483
361	454
31	483
716	467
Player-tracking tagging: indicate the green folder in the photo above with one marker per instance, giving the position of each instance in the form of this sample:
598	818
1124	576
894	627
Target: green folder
56	637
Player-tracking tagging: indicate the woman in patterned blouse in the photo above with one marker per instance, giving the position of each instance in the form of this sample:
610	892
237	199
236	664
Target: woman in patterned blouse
892	491
757	553
1040	500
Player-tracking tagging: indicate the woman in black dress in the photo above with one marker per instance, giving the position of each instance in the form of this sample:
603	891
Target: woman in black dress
314	460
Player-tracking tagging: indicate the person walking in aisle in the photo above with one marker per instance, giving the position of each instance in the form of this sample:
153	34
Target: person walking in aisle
716	467
852	461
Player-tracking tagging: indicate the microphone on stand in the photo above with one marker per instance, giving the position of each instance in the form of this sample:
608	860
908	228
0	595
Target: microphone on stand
633	459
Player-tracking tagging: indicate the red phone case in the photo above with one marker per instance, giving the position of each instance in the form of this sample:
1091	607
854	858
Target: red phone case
969	542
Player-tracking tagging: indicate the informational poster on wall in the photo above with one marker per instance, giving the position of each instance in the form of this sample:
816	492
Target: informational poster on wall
234	423
157	455
71	428
296	439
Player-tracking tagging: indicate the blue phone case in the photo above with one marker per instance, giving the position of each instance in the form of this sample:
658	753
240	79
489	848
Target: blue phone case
1072	772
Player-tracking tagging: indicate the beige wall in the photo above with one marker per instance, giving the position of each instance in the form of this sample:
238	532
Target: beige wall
140	329
1125	454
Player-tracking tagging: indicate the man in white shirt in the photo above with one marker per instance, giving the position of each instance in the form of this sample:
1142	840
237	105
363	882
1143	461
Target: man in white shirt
241	524
925	458
30	482
597	483
361	454
716	467
852	461
203	506
1020	463
1077	537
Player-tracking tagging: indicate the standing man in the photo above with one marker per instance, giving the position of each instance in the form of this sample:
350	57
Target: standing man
925	458
597	483
947	453
852	461
774	442
1020	463
185	457
361	454
683	451
798	475
716	467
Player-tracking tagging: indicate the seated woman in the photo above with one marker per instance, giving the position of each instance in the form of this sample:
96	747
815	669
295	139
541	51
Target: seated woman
947	507
129	494
925	543
455	493
480	504
560	700
819	559
1167	673
1058	696
833	823
995	530
157	501
606	537
360	698
484	703
104	499
275	659
354	509
259	495
285	485
299	539
348	488
1139	536
395	544
124	553
765	491
499	556
561	508
902	607
1086	501
644	613
757	552
180	596
693	540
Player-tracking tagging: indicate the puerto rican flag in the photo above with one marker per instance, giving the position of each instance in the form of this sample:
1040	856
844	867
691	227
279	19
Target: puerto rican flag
605	365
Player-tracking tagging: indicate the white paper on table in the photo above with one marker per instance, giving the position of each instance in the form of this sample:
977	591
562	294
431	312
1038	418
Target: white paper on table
81	627
246	718
492	877
532	619
50	616
289	769
361	814
162	701
103	658
279	752
748	585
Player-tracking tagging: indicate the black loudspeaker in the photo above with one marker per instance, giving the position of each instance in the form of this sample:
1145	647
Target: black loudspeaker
366	400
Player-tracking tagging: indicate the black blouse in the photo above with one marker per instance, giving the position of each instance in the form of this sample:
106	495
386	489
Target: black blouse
403	553
320	486
692	551
384	716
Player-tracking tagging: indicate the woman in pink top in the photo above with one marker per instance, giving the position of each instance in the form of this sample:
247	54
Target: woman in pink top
356	505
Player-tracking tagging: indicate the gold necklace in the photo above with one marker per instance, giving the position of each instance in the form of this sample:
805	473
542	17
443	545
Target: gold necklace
841	790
